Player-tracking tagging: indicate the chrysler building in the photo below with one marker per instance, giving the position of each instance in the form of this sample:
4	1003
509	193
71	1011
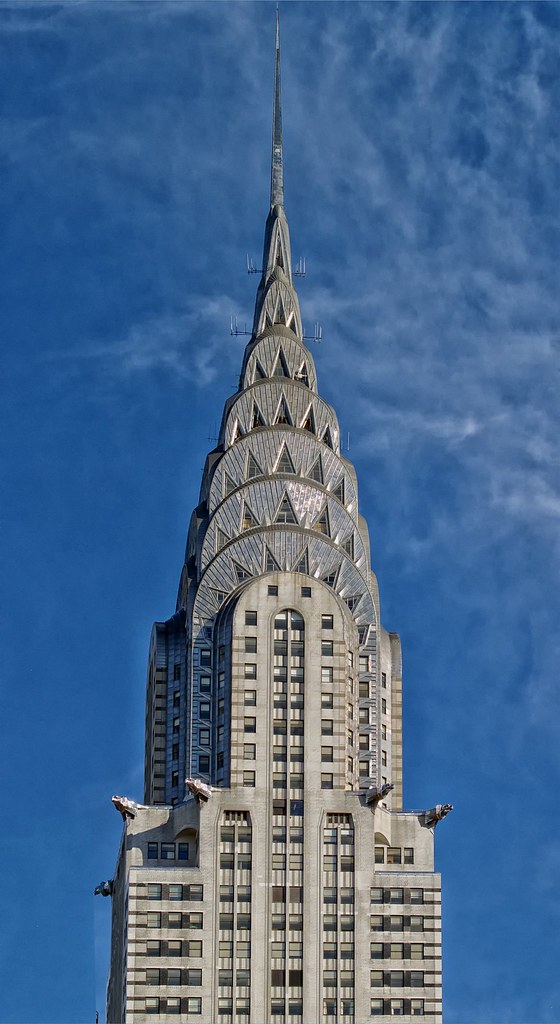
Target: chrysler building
271	874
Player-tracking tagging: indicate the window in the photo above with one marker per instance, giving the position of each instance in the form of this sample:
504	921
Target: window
396	924
273	591
326	780
153	976
416	895
205	657
417	1007
384	705
205	684
250	724
153	920
175	920
376	1008
327	622
347	1005
250	698
364	663
174	976
193	976
250	645
153	947
396	895
152	851
194	921
250	671
204	763
174	947
417	924
394	855
194	1005
327	649
173	1004
383	732
408	855
377	924
397	1007
384	758
204	710
364	769
376	951
306	591
376	979
327	753
384	680
152	1004
154	891
416	951
417	979
225	949
249	751
376	894
249	779
204	737
327	727
250	618
326	700
396	979
397	951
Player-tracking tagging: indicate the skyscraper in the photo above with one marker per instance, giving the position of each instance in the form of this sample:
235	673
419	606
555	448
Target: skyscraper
271	875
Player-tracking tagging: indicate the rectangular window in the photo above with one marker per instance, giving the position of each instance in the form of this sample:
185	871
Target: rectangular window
376	1008
182	851
377	923
363	691
384	705
205	657
396	895
174	947
249	751
326	780
225	949
194	892
250	618
273	591
154	891
376	894
326	675
249	779
397	1007
204	763
397	951
194	921
417	1007
376	979
153	920
326	700
417	979
167	851
152	1004
174	976
327	622
250	645
396	924
376	951
153	851
327	727
364	663
408	855
416	895
250	671
394	855
416	951
193	976
327	648
327	754
384	680
417	924
205	684
153	976
250	698
173	1004
250	724
204	710
153	947
204	737
306	591
175	920
383	732
194	1005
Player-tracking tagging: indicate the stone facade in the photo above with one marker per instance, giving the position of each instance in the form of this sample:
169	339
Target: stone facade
272	877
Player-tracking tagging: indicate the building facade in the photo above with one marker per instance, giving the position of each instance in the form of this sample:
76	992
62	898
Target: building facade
271	875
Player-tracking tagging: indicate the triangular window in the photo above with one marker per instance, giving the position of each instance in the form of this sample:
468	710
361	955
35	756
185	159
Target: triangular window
338	491
280	317
362	635
279	258
308	422
302	564
321	524
284	464
353	601
249	520
281	366
327	438
316	471
257	420
220	595
253	468
241	572
229	484
285	513
259	372
283	414
221	539
236	432
331	577
270	563
348	545
268	320
302	374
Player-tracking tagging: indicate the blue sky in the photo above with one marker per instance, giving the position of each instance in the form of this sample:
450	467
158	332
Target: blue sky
422	179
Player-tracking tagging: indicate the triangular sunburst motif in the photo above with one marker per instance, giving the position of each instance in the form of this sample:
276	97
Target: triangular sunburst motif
270	563
321	523
316	471
253	468
248	519
257	418
308	421
283	414
259	372
302	563
280	366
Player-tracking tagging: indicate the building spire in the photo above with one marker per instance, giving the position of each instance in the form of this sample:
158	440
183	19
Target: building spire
277	170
